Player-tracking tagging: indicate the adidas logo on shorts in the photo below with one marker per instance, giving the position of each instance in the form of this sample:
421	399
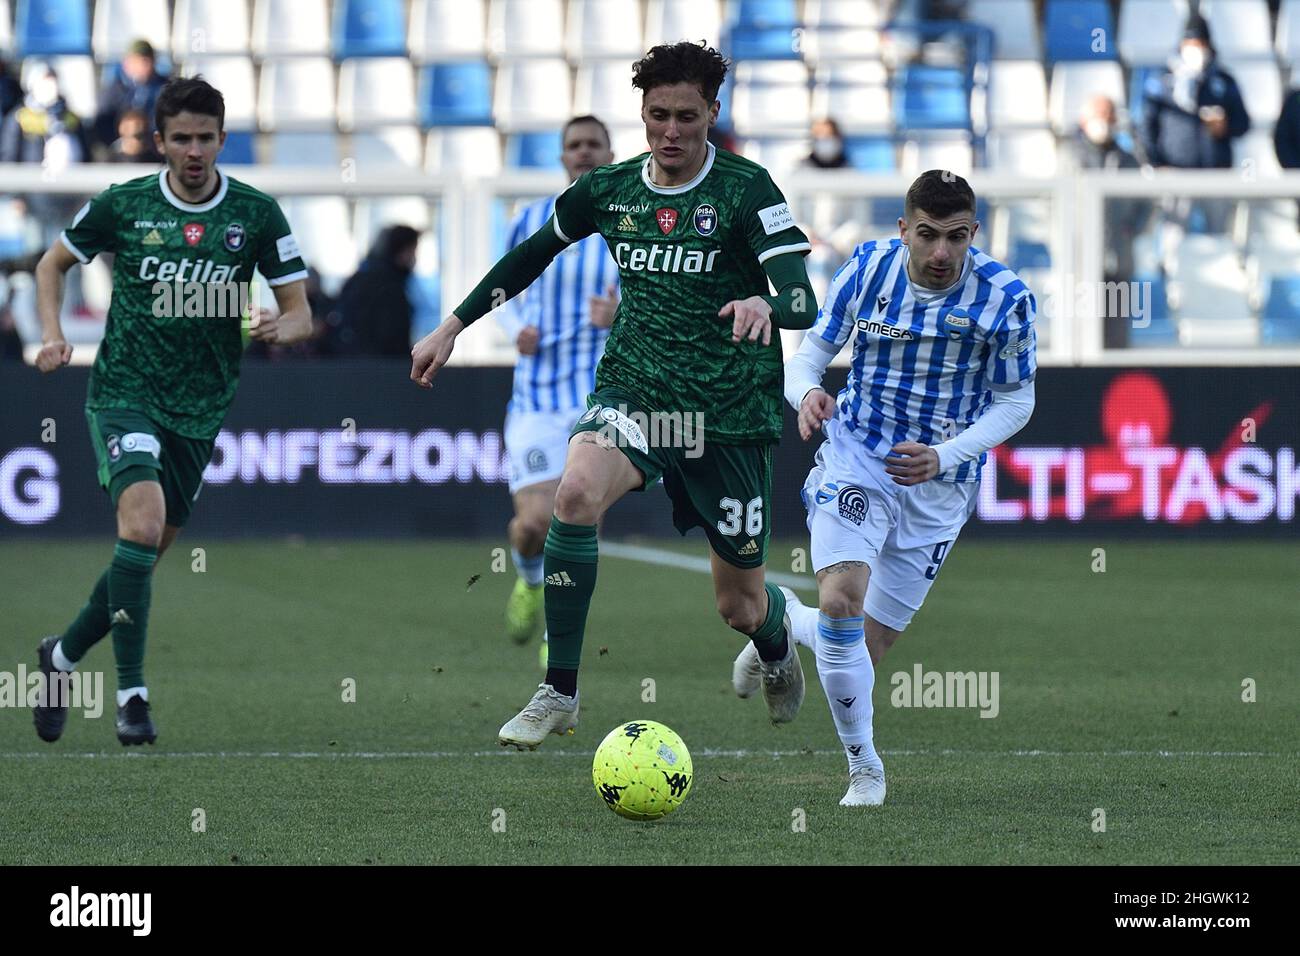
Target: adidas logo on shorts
560	579
749	548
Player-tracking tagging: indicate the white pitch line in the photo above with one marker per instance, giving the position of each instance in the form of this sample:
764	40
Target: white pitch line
671	559
506	752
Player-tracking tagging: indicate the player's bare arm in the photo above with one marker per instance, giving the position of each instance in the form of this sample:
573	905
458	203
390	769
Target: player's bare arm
55	351
431	353
291	324
817	408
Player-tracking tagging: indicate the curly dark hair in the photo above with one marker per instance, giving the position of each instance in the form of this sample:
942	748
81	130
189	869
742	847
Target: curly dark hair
191	94
682	62
940	193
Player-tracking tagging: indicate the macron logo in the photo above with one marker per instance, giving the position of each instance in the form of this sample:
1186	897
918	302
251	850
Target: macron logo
103	909
560	579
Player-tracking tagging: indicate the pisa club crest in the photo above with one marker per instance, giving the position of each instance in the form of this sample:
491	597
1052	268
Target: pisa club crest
667	219
193	233
706	219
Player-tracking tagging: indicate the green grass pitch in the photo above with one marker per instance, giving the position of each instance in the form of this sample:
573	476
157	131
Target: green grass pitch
1119	691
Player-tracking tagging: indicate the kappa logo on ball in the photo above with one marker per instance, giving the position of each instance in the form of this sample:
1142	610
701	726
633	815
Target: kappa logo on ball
706	219
853	504
667	219
193	233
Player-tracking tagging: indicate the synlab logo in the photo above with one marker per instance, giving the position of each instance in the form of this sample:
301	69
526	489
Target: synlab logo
76	909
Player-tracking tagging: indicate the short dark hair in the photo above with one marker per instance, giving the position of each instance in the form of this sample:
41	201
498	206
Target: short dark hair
941	193
585	118
192	94
682	62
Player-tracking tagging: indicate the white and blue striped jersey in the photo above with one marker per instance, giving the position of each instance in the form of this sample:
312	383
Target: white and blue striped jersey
563	371
925	363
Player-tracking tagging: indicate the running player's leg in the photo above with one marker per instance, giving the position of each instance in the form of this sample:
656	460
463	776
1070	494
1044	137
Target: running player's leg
534	505
900	580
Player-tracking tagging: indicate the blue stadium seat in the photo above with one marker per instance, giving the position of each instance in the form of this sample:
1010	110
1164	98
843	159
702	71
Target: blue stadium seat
1280	322
1071	28
762	43
1029	254
762	13
1161	330
886	212
929	97
238	150
369	28
537	150
455	94
872	154
52	28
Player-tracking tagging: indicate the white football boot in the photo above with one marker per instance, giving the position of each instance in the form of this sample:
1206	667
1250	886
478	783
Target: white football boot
746	674
547	713
866	788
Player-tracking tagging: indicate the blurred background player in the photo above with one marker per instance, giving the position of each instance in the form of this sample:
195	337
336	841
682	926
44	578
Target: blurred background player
698	233
163	378
942	370
559	324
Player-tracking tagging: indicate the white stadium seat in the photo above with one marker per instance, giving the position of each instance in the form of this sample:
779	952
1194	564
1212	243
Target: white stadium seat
6	28
377	91
464	150
779	156
604	28
856	94
1073	84
629	141
447	30
1256	149
526	28
324	232
304	149
532	94
371	216
1017	94
668	21
1149	30
392	146
1030	153
120	22
297	94
77	80
290	27
936	153
1239	28
1260	83
233	76
837	30
1288	32
1014	26
771	98
842	13
604	88
206	27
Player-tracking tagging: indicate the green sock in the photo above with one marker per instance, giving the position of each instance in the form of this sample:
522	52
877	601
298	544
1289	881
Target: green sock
91	625
128	601
570	581
770	638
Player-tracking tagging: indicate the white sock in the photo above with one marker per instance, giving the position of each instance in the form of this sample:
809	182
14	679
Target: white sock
124	695
803	624
848	678
60	661
532	570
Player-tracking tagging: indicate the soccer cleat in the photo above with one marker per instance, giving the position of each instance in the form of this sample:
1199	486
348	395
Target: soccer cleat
547	713
746	675
50	717
524	612
866	788
134	725
782	683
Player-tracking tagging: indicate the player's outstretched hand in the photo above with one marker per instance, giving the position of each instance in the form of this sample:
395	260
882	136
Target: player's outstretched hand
53	355
912	463
817	407
431	353
752	319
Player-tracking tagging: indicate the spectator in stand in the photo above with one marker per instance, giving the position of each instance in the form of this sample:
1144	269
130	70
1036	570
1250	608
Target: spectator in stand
374	308
827	146
1286	135
135	86
134	143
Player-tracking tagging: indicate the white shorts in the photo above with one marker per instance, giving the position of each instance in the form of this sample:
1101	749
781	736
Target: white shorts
857	513
538	443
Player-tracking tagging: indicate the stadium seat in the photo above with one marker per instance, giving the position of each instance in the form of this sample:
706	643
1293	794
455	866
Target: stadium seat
604	28
1029	254
1030	153
1017	95
296	94
455	94
1260	83
532	94
77	80
1280	320
939	152
533	150
1160	329
447	29
324	232
629	141
778	155
1075	27
288	27
526	28
1150	30
752	42
6	29
1288	32
206	27
304	149
840	44
928	97
392	146
1073	84
1256	151
369	28
118	23
871	154
233	76
668	21
770	98
240	148
1240	29
371	216
466	151
1209	284
842	13
1014	26
856	95
51	28
376	91
604	88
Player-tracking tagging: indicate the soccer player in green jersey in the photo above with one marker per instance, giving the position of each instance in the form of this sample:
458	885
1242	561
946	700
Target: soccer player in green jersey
697	234
186	240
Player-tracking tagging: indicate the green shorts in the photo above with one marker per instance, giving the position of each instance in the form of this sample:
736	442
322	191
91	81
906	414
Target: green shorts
724	489
131	447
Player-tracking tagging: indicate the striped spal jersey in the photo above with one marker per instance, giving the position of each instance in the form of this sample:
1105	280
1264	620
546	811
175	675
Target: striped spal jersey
925	362
562	372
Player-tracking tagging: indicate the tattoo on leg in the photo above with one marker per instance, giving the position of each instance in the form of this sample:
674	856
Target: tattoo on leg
844	566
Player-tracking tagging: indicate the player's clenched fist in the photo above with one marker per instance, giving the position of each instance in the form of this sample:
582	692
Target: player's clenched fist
263	325
53	355
431	352
752	319
817	407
